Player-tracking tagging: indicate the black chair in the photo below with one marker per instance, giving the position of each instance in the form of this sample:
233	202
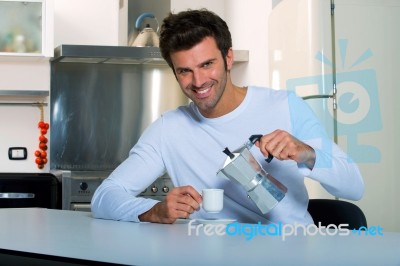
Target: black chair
330	211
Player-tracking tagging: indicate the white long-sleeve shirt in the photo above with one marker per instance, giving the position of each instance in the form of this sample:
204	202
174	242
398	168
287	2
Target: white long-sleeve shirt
189	148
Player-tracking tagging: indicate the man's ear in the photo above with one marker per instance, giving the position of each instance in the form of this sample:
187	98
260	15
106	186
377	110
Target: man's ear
229	59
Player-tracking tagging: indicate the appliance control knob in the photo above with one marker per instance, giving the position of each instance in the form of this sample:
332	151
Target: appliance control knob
83	185
154	189
165	189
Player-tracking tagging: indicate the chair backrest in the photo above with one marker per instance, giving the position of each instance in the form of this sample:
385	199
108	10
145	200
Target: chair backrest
330	211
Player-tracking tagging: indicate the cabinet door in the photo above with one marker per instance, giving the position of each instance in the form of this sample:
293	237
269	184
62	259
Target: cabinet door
26	29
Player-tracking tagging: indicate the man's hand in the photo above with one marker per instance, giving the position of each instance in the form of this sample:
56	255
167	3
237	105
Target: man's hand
284	146
180	202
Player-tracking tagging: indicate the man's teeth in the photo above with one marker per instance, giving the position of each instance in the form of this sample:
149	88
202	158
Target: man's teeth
203	91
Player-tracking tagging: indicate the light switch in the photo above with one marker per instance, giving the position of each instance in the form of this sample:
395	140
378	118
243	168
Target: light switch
17	153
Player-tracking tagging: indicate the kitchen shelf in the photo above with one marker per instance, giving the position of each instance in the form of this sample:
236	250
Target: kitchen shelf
119	55
39	93
24	104
23	97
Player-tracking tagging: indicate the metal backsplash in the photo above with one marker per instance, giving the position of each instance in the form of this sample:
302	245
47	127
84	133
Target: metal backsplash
98	111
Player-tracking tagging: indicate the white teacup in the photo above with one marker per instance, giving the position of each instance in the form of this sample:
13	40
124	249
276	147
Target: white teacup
213	200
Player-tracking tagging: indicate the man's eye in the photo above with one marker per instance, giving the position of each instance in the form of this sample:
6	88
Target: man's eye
183	71
207	64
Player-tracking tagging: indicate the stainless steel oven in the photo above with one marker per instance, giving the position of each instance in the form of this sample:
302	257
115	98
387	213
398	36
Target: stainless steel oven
25	190
78	188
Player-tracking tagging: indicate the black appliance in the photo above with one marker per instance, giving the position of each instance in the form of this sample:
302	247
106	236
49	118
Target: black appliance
25	190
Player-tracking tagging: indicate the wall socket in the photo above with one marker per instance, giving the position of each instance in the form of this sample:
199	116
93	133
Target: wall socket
17	153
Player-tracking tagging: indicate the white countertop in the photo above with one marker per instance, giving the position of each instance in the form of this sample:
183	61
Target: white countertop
77	235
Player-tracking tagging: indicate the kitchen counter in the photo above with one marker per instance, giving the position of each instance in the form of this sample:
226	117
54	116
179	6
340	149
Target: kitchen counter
62	237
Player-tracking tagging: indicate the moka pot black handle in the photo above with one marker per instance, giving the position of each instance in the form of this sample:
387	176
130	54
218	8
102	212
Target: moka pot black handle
254	139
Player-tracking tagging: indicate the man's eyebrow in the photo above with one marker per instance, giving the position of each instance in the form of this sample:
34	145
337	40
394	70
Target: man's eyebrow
208	61
198	65
181	68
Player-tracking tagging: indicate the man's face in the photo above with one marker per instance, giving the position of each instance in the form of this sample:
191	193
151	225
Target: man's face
202	76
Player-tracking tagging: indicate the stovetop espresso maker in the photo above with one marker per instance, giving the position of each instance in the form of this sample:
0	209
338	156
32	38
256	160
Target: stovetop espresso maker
241	167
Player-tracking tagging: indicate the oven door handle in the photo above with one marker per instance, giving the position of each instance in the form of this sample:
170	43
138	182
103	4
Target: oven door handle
16	195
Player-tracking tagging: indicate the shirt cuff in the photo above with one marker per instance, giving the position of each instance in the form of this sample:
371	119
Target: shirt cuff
319	162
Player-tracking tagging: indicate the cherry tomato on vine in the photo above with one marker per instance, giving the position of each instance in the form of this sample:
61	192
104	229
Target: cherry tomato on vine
41	154
43	146
43	139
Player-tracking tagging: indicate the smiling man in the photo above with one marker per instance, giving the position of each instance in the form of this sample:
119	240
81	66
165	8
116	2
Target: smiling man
187	143
203	75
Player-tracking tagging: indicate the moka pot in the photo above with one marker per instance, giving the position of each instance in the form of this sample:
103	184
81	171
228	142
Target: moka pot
241	167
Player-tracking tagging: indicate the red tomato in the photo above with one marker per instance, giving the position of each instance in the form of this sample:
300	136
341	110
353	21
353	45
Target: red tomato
42	138
43	131
41	124
46	125
38	160
40	166
44	160
43	146
43	154
38	153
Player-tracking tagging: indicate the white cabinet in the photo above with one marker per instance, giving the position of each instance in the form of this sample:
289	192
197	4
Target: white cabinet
90	22
26	30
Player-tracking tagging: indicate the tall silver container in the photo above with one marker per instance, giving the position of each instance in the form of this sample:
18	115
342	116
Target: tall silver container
262	188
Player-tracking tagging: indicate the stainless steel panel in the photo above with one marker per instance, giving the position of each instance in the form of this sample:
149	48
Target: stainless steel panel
98	111
96	54
159	189
78	187
83	207
106	54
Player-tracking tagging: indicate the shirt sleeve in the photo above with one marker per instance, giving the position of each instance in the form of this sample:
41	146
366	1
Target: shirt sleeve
333	168
116	198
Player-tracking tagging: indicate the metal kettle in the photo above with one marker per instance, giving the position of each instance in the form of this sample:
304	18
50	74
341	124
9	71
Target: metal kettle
147	37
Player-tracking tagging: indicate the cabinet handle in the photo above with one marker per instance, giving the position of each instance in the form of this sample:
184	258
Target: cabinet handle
14	195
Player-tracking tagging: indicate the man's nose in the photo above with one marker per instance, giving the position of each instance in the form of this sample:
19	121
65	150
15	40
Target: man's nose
198	78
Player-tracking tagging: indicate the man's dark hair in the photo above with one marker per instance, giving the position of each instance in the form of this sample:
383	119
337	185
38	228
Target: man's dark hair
184	30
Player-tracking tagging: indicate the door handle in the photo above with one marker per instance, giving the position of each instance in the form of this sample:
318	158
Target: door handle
16	195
